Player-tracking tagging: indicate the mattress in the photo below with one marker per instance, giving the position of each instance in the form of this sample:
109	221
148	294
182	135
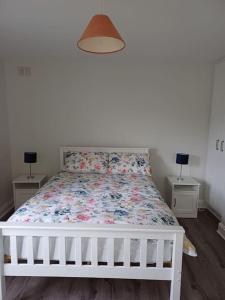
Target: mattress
95	199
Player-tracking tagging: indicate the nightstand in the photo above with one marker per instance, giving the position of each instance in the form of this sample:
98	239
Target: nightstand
183	196
24	188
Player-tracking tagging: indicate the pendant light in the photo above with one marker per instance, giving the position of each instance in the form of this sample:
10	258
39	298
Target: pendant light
101	36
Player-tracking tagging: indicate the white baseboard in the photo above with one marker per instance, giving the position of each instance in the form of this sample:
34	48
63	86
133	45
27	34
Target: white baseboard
221	226
202	204
214	213
221	230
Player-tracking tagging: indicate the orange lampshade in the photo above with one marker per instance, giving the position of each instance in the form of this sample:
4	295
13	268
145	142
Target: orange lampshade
101	36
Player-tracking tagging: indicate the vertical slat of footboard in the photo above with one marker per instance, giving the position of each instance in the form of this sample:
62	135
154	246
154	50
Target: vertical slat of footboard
2	277
30	256
127	252
13	250
143	253
62	250
78	257
47	250
111	252
160	253
94	251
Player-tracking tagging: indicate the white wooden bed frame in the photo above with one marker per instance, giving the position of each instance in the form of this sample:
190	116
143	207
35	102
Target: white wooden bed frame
45	268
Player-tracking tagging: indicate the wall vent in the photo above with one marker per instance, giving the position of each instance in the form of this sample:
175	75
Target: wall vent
24	71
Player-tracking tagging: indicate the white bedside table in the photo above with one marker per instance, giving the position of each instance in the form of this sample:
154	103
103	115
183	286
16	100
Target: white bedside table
24	188
183	196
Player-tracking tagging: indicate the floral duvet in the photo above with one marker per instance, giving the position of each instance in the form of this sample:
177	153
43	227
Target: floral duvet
97	198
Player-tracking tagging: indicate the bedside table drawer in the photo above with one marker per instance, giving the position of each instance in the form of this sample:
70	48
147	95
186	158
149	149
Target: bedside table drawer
178	193
22	195
26	186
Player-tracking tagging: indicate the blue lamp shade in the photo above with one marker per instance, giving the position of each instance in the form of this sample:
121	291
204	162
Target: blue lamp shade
182	159
30	157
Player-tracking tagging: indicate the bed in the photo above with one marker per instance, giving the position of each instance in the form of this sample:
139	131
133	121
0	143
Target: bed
94	225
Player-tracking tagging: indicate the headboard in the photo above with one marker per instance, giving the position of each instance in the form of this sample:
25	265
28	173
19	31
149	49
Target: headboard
64	150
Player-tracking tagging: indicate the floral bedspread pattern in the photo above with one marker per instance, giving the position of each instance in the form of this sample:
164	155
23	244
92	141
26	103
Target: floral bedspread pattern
98	199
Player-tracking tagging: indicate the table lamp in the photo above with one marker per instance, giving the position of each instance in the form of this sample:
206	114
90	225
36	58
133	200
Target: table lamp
182	159
30	158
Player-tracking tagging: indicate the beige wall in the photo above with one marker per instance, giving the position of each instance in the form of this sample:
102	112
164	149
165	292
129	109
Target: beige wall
107	101
5	167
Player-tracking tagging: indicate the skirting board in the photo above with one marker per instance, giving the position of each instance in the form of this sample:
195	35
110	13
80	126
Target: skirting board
221	230
202	204
214	213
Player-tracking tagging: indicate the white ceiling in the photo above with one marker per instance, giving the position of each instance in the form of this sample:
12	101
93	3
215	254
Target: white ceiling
154	29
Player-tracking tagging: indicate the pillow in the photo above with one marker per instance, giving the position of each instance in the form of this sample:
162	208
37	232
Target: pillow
123	163
86	162
189	248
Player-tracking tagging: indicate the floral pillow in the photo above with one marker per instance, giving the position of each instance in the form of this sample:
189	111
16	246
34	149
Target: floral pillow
123	163
86	162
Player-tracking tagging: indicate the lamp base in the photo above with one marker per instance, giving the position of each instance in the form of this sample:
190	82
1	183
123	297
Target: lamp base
30	176
180	178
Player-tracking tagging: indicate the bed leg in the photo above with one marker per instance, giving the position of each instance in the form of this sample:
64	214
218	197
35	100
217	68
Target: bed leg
177	267
2	277
175	287
2	289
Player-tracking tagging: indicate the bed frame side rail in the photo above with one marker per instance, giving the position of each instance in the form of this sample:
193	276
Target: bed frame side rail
29	267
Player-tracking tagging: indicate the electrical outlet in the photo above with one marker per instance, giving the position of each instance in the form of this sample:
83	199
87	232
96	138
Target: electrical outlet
24	71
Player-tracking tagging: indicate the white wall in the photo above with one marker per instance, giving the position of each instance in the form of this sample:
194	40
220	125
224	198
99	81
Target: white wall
5	167
106	101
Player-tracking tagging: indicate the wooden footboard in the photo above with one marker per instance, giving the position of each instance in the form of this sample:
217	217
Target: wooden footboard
14	266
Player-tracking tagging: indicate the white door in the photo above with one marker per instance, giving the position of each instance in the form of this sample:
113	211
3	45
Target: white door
216	157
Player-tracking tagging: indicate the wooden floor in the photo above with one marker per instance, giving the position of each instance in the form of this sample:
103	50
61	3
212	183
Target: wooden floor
202	277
